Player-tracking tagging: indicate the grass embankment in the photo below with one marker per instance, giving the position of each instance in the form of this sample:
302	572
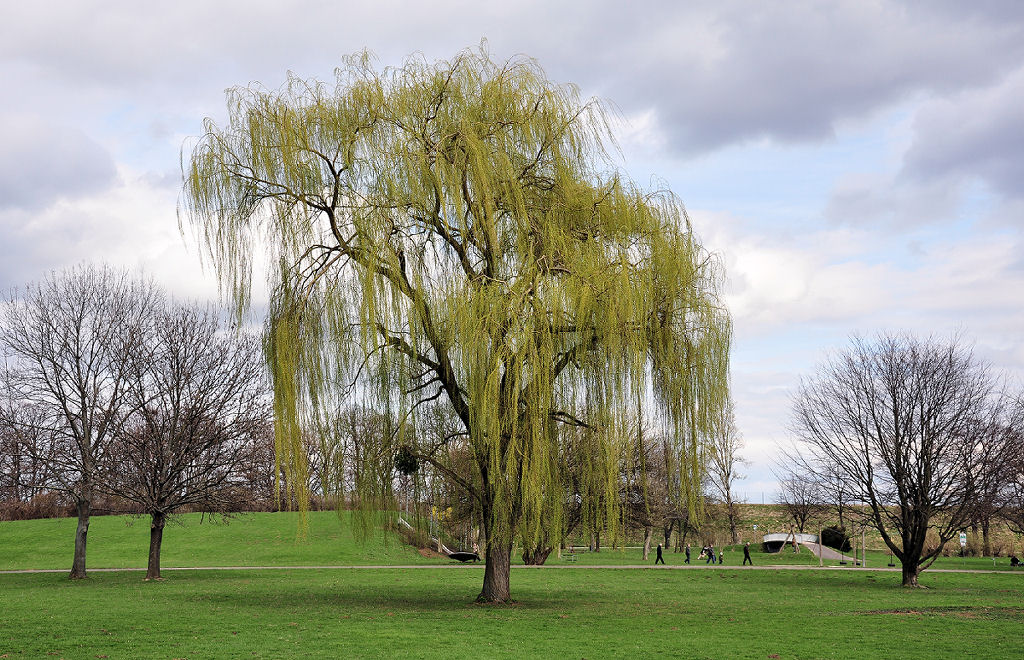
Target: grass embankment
270	539
561	613
252	539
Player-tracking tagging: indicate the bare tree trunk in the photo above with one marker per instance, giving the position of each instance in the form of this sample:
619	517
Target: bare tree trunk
910	573
648	533
497	573
84	507
156	536
731	508
986	540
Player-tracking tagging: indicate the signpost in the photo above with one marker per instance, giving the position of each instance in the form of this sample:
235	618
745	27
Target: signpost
963	544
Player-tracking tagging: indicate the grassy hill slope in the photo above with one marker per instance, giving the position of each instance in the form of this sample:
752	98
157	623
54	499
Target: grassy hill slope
252	539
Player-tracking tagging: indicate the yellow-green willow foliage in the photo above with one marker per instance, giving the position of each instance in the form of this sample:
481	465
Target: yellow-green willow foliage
455	232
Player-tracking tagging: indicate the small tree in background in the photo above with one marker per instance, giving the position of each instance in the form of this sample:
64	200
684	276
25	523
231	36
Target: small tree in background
724	461
799	497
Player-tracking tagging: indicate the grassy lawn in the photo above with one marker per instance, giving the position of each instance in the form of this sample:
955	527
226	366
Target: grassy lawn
582	612
428	612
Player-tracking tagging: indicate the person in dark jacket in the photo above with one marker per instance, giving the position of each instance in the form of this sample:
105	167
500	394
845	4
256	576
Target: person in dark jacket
711	555
746	554
687	561
660	558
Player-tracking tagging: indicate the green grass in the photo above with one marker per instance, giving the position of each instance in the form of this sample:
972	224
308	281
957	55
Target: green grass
255	539
560	613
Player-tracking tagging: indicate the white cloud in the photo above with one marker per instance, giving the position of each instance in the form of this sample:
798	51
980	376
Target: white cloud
132	225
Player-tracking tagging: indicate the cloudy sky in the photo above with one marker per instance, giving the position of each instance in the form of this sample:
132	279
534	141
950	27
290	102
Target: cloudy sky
857	165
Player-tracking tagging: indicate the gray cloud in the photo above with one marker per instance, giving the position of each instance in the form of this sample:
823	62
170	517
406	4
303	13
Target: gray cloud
715	74
792	74
979	134
884	200
41	163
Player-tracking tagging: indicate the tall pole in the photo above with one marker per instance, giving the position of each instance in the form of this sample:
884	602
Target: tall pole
821	562
863	547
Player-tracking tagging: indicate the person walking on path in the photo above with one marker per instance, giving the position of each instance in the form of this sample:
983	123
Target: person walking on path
721	556
711	555
660	558
687	560
746	554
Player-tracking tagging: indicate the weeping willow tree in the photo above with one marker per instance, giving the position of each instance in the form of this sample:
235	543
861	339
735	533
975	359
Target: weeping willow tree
456	233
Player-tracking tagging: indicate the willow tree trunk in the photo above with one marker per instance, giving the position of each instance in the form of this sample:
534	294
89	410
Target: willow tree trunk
648	533
536	556
156	537
84	507
497	572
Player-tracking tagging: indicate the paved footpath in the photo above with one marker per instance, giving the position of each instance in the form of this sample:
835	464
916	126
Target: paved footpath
719	567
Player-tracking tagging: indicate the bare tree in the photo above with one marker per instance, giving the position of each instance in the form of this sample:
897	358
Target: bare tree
1012	494
198	396
24	468
64	341
724	461
829	483
902	420
799	496
998	446
643	489
834	490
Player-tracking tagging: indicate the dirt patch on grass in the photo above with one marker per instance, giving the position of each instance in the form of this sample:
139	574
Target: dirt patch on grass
430	554
957	611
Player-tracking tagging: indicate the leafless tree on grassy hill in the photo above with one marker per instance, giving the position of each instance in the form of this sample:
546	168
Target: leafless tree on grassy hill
903	420
800	497
724	461
199	395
